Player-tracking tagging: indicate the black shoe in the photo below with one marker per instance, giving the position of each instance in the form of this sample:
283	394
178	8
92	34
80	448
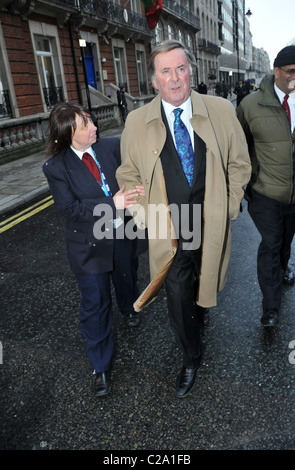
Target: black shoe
132	319
203	315
288	276
185	381
270	317
102	383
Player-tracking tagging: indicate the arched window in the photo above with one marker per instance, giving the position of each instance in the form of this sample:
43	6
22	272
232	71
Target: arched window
171	32
159	32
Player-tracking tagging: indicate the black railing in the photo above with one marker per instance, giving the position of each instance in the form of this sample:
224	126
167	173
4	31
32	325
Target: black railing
183	13
53	96
5	106
110	11
143	88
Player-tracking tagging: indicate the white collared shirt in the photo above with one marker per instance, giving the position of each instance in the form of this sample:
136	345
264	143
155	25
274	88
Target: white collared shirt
291	103
185	116
80	154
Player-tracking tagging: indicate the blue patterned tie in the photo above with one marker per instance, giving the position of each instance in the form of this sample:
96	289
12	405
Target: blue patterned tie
184	146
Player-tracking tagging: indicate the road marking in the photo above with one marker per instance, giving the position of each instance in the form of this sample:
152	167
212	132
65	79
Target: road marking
25	214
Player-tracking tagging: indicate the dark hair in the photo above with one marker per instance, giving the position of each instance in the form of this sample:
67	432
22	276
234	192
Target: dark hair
167	46
62	125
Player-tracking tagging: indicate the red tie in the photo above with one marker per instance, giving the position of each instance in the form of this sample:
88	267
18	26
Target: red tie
286	107
92	166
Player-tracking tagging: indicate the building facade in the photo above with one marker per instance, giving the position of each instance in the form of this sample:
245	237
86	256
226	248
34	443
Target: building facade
84	50
208	43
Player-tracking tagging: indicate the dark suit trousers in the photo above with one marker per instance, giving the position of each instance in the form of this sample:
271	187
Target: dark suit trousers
276	224
96	313
181	287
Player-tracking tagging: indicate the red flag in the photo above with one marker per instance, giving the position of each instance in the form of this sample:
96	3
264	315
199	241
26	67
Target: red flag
153	13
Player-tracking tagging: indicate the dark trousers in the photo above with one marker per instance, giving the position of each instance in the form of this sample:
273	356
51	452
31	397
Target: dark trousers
276	224
181	287
124	112
96	313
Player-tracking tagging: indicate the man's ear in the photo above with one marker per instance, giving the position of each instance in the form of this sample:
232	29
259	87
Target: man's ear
154	83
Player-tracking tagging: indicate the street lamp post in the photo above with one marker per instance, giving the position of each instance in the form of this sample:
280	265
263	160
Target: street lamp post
236	18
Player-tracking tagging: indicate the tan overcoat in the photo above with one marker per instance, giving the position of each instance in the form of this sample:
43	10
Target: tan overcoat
228	169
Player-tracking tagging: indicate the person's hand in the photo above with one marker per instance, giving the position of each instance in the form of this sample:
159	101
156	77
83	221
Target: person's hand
140	190
125	199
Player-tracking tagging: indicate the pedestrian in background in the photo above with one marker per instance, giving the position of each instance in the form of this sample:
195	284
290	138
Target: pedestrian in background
81	176
202	88
268	119
197	160
122	102
240	91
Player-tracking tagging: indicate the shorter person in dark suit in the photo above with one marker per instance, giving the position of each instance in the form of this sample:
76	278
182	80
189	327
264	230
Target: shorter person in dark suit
122	102
78	188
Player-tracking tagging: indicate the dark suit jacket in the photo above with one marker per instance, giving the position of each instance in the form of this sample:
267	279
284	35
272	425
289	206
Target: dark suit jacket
76	192
178	190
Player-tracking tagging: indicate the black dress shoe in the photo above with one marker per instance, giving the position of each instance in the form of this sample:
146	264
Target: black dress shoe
185	381
270	317
102	383
288	276
203	315
132	319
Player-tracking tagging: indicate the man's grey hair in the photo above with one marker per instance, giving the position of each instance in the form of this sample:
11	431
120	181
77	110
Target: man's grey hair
167	46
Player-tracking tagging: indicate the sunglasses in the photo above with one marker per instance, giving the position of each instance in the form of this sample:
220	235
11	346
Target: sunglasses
288	71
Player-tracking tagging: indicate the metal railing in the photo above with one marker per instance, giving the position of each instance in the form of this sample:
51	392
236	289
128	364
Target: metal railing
183	13
115	13
5	106
52	96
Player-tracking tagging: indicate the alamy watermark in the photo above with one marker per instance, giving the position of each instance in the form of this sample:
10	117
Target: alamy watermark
292	353
186	223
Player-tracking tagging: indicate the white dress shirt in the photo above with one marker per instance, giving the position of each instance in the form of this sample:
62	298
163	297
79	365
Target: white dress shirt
80	154
185	117
291	103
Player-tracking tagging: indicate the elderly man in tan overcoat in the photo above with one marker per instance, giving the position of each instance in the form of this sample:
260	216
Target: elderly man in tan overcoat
221	169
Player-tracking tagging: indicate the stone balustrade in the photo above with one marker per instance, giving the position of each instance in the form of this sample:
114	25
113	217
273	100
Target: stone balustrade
21	137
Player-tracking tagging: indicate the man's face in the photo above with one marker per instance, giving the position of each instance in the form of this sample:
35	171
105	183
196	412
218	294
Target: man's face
172	76
285	78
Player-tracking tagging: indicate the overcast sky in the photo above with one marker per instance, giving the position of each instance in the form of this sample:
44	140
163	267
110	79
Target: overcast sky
272	24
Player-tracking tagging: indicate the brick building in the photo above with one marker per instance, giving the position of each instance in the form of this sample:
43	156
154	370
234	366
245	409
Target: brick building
67	50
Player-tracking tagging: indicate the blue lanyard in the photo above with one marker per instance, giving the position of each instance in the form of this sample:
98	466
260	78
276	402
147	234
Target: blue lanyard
105	187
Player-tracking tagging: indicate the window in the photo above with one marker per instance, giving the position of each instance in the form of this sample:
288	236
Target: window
159	33
171	32
189	41
120	69
141	72
6	84
135	5
45	57
180	36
